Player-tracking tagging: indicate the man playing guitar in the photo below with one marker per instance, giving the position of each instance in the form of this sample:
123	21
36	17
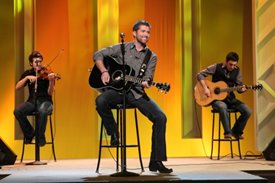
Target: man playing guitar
231	75
135	55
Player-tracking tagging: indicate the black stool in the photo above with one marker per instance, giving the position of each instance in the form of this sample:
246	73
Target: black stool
119	111
219	139
48	142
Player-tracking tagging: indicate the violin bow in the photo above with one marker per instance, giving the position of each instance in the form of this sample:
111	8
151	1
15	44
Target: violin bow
59	53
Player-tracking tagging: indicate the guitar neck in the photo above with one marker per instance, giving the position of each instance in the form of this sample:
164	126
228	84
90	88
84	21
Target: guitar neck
230	89
164	87
137	80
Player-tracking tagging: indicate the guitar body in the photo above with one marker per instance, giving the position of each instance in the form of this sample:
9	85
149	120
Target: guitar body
214	88
116	73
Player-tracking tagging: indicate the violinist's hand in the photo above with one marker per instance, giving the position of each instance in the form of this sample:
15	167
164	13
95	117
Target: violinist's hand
145	84
32	79
51	76
105	78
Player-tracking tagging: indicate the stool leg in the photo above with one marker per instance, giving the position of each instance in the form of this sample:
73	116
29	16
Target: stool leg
100	146
139	150
231	148
23	150
239	145
212	144
219	138
51	128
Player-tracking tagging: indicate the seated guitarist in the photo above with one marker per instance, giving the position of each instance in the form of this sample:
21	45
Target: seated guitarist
231	74
135	53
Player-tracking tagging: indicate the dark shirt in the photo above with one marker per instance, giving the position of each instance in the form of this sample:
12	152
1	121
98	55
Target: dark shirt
210	70
134	59
42	87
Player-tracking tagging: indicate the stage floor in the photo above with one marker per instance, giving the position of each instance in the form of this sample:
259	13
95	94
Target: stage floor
185	170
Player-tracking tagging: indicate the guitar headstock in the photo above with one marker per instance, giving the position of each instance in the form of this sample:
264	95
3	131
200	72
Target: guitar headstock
258	86
164	87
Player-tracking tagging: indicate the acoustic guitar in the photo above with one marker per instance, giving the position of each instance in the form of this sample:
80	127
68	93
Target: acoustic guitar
117	77
218	91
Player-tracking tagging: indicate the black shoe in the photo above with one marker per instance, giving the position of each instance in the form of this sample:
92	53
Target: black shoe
158	166
114	139
42	141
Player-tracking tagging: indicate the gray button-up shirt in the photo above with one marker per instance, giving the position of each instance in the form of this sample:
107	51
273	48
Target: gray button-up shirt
133	58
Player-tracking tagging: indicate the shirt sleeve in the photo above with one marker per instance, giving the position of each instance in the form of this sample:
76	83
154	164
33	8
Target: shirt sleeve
108	51
26	73
239	78
210	70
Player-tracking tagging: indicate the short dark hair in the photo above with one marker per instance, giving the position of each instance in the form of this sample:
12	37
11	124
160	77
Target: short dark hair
141	22
35	54
232	56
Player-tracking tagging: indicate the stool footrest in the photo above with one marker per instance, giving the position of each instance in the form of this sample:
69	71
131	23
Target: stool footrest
226	140
33	143
119	146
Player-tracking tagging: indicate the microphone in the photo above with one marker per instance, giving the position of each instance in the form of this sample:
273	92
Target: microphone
122	35
122	44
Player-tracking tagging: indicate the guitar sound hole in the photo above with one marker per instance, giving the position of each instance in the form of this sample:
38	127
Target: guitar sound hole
217	90
117	76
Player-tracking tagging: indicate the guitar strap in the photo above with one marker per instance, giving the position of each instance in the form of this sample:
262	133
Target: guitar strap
143	67
144	64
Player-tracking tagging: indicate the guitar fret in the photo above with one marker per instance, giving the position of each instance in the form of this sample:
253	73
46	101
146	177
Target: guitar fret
133	79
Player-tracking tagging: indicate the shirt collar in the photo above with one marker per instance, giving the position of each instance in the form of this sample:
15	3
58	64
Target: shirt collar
134	46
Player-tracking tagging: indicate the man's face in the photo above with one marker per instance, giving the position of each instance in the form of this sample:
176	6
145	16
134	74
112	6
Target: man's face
230	65
142	34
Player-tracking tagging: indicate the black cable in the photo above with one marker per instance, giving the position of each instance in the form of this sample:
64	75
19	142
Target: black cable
200	130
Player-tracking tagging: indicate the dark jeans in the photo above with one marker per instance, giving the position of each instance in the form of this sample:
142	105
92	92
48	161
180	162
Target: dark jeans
239	125
147	107
28	108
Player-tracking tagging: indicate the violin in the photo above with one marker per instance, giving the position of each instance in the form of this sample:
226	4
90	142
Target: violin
44	72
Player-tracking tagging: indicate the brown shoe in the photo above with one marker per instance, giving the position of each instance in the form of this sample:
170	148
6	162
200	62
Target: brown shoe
236	136
228	136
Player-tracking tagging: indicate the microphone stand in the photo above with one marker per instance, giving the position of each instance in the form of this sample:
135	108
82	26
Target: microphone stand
37	148
124	172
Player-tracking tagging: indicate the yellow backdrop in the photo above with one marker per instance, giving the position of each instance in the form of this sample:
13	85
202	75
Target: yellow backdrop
76	29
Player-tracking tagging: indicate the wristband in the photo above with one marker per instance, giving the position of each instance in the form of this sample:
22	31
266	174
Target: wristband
104	71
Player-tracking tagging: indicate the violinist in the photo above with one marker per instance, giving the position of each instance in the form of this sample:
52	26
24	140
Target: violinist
41	88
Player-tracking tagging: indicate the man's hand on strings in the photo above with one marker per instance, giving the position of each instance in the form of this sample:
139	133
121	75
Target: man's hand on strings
243	88
145	84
